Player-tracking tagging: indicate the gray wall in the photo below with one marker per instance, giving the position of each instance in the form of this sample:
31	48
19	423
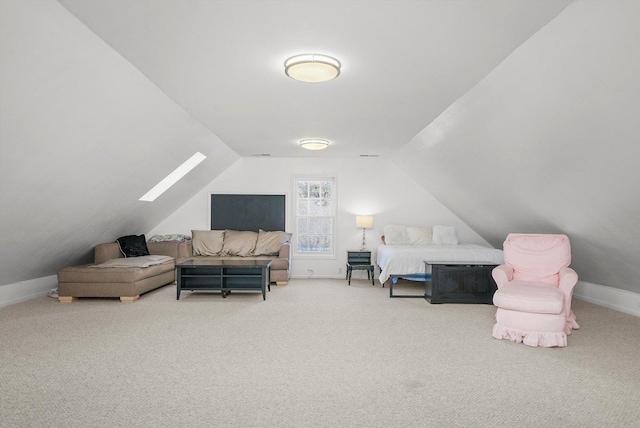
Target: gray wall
83	135
549	142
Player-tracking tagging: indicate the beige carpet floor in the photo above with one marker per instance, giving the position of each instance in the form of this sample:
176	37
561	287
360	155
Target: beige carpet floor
316	353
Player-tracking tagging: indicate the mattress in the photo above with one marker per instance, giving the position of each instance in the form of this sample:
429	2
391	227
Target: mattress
398	260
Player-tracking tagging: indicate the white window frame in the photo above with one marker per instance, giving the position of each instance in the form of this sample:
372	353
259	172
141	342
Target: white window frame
334	210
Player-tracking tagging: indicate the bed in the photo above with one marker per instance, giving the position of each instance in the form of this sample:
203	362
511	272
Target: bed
452	272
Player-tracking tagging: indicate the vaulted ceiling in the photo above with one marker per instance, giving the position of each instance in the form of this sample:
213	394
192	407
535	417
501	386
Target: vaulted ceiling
403	63
516	115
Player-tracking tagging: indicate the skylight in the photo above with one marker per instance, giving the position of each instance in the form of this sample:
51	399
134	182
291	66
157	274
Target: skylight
173	178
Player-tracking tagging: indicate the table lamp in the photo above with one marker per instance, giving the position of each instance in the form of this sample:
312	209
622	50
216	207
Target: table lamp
364	222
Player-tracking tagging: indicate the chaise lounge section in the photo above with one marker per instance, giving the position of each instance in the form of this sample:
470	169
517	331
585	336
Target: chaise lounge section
112	275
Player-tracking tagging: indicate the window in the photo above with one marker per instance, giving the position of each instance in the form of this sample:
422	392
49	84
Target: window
315	215
173	178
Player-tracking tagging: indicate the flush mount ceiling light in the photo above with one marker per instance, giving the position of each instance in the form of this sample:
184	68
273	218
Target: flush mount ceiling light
314	144
312	68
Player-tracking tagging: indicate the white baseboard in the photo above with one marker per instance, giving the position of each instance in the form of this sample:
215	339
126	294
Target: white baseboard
609	297
317	277
25	290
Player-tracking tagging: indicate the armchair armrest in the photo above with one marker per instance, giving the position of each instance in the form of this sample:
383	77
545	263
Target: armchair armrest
568	280
502	274
566	283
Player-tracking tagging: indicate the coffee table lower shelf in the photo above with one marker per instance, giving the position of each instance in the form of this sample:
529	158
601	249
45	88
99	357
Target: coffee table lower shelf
224	276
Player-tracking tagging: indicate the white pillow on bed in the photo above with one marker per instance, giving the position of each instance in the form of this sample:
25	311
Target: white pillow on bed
395	235
445	235
419	235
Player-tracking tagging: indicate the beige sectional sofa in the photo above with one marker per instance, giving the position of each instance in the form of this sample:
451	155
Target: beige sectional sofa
113	275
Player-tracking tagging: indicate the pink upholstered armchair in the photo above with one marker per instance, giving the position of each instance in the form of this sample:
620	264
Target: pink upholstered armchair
535	286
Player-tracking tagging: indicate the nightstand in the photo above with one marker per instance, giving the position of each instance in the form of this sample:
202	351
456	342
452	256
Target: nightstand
359	260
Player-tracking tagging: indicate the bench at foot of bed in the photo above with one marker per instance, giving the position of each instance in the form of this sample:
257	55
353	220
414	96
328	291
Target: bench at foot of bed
454	284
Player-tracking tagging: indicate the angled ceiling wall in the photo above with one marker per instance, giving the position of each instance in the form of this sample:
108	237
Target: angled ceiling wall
548	142
83	135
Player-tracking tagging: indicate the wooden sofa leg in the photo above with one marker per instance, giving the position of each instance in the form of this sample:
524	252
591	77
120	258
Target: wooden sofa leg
129	299
281	283
67	299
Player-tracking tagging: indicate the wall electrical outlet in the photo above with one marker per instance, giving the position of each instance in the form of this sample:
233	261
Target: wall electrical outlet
339	270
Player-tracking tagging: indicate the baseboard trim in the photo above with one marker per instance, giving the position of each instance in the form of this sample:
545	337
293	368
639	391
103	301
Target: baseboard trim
11	294
609	297
340	276
317	277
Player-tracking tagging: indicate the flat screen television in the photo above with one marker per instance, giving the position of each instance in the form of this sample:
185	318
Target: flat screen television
248	212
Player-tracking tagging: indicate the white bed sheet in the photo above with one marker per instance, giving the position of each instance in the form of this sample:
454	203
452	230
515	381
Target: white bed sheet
398	260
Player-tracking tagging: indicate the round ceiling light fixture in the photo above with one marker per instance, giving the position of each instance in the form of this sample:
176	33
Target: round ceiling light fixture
314	144
312	68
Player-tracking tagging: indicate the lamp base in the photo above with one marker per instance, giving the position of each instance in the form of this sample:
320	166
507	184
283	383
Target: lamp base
364	245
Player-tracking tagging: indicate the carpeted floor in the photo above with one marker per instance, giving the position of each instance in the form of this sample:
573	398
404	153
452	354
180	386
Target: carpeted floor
316	353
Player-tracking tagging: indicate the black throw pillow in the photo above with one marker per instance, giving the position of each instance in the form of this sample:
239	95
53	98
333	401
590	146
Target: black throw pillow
133	246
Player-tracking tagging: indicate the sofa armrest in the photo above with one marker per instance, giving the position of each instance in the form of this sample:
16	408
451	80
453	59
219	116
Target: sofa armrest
107	251
285	251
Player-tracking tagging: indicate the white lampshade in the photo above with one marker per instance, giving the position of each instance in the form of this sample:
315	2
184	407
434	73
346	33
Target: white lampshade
312	68
364	221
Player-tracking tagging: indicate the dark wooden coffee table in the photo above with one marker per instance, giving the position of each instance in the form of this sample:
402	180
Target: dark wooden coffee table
224	276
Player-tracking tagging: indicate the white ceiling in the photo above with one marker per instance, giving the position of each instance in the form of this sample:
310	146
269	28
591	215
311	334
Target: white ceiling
404	63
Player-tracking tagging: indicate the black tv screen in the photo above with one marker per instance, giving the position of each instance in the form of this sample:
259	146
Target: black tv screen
248	212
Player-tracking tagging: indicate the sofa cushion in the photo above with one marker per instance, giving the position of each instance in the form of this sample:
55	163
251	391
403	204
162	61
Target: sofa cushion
238	243
269	243
133	245
87	274
207	242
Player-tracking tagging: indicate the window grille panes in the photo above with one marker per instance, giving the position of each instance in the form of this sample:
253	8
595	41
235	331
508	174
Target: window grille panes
315	208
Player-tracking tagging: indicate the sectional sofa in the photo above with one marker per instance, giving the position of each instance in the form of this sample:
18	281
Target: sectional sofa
114	275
